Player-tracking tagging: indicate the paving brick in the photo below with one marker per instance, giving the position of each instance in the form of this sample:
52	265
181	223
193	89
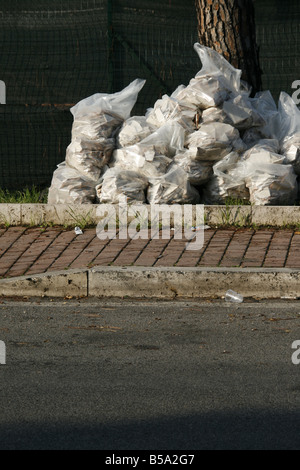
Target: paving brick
152	252
190	258
257	250
53	252
15	251
216	248
237	248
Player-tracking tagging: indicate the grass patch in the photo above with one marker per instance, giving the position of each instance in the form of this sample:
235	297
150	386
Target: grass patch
31	195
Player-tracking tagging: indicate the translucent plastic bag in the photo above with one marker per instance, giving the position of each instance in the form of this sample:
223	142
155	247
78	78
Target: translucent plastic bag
227	182
241	114
172	188
170	108
265	151
133	130
199	172
271	184
203	92
118	182
290	148
265	106
213	64
100	114
215	140
129	161
89	156
288	122
68	186
167	140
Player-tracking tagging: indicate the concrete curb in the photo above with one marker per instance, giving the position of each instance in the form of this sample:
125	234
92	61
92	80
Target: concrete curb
157	283
71	215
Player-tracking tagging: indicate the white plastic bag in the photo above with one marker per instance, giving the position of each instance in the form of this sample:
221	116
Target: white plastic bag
100	114
271	184
228	181
199	172
288	122
129	161
170	108
89	156
133	130
118	182
68	186
213	64
167	140
172	188
215	140
203	92
290	148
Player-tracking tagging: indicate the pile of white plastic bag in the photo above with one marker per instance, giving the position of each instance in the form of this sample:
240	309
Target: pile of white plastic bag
209	142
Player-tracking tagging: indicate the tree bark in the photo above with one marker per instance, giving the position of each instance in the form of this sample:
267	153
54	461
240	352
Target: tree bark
228	26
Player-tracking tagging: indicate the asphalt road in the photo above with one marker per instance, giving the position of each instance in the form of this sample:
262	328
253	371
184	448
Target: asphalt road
149	375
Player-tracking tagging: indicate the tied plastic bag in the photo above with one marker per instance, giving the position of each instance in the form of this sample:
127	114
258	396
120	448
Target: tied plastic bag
118	182
271	184
89	156
133	130
130	161
215	65
170	108
96	120
214	141
199	172
172	188
68	186
100	114
228	181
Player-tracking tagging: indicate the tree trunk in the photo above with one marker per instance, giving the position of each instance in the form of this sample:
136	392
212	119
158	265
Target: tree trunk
228	26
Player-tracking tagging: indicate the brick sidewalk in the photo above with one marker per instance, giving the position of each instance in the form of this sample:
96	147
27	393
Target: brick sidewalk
34	250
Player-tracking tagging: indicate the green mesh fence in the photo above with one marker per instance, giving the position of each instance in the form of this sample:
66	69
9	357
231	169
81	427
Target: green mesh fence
53	53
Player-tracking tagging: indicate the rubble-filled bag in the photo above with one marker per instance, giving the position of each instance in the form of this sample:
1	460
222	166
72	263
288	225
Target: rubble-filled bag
271	184
129	161
264	104
252	136
172	188
213	64
228	181
290	148
270	145
101	114
68	186
241	114
133	130
214	141
167	140
119	182
203	92
288	122
199	172
262	156
170	108
215	114
265	151
89	156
